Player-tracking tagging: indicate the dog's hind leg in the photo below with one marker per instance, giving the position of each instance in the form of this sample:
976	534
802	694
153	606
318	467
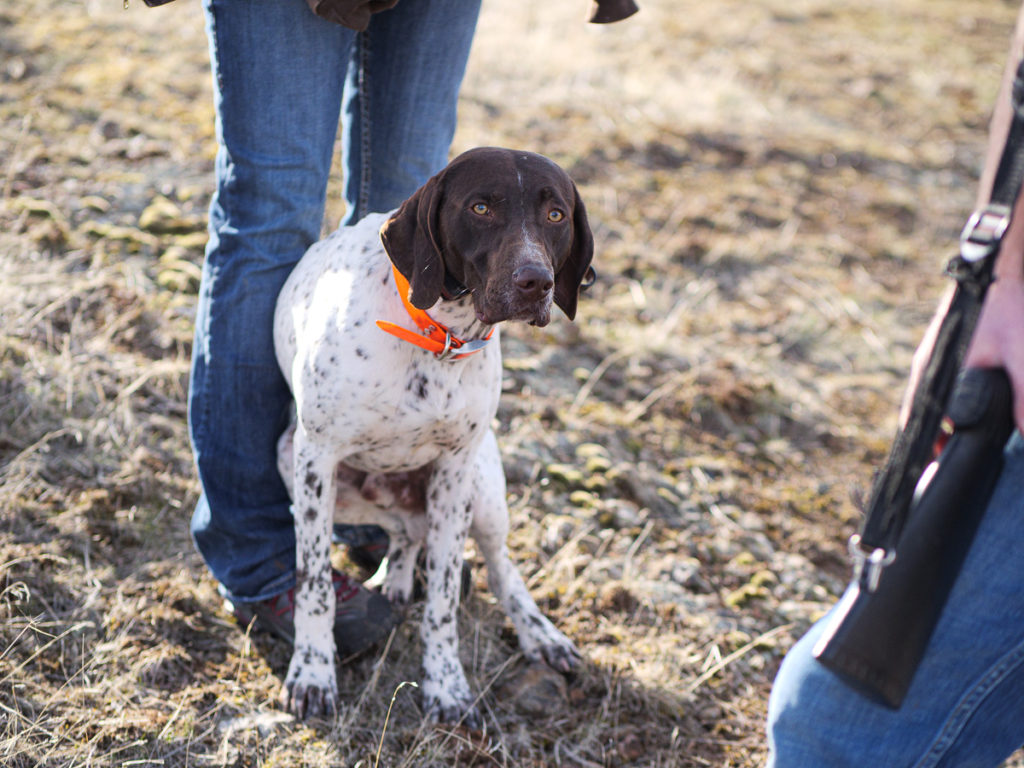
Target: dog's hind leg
539	639
397	570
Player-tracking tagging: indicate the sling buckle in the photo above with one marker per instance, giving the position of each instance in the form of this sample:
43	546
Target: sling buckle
983	232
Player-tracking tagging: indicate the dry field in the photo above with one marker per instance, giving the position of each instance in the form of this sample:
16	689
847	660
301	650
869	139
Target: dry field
774	186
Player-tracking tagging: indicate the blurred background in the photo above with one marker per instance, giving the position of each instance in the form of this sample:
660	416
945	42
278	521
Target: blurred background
774	188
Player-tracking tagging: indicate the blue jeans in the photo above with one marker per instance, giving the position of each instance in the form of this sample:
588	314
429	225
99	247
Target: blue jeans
965	707
283	78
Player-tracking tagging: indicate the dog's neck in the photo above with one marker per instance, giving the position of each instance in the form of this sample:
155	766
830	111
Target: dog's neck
459	317
449	329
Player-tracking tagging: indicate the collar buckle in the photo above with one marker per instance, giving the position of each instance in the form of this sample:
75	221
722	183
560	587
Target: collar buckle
446	352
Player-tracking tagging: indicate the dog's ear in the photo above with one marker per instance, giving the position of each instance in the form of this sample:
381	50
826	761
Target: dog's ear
410	238
577	267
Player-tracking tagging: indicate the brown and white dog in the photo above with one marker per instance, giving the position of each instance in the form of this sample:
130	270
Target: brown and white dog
387	430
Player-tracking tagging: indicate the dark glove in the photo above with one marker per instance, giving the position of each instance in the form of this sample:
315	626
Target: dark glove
607	11
354	14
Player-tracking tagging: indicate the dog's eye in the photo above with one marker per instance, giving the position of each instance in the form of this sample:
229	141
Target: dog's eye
555	215
481	209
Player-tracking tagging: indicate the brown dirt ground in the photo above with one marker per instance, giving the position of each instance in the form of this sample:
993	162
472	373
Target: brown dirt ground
774	187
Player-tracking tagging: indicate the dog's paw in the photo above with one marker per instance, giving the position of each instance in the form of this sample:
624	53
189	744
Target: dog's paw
454	714
305	701
561	657
451	706
399	595
543	642
310	689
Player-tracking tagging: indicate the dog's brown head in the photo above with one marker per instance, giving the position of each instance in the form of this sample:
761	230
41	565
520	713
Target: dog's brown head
509	226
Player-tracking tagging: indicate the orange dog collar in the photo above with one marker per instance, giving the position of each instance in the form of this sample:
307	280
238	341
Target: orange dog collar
433	336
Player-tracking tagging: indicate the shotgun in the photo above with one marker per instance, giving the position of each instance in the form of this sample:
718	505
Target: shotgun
881	627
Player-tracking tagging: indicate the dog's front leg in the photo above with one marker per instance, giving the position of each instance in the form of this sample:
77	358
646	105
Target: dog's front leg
446	691
310	686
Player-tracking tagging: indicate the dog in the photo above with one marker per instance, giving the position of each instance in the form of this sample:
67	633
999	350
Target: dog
387	334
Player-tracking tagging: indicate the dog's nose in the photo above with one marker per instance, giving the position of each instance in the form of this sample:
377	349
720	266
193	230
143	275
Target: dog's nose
533	281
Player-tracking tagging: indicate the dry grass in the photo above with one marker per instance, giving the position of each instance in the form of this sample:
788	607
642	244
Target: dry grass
773	186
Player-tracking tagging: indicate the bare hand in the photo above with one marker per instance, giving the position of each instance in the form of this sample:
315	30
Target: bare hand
999	337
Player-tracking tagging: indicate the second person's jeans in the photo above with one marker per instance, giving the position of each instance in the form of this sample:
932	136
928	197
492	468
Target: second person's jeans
965	707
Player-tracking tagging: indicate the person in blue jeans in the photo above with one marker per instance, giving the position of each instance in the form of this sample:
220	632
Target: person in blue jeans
965	707
283	77
284	73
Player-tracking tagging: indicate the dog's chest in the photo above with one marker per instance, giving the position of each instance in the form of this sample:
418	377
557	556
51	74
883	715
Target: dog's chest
428	409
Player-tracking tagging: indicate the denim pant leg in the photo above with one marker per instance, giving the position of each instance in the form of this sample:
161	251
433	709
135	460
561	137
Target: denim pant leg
278	81
965	708
400	100
280	76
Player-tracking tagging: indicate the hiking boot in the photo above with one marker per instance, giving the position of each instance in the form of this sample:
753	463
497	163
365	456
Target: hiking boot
361	617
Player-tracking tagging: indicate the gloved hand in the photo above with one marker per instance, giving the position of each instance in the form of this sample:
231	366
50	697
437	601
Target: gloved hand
354	14
608	11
